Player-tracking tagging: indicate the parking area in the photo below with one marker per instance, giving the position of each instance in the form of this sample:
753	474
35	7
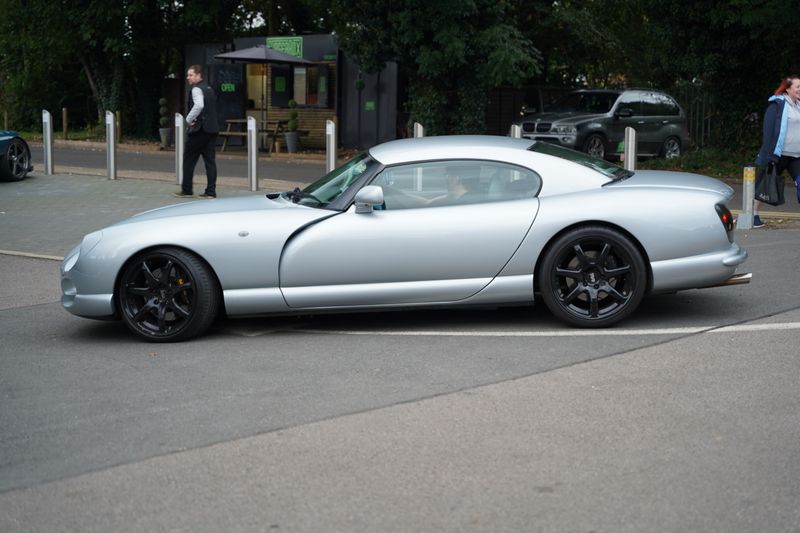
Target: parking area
685	417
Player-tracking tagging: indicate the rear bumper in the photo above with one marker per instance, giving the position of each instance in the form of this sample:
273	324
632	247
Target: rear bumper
706	270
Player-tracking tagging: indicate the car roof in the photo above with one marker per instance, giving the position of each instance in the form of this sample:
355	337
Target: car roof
449	147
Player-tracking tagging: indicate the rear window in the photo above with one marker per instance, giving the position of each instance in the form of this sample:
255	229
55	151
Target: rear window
610	170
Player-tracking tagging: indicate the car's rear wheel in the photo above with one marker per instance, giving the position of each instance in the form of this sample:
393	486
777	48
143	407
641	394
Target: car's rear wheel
671	148
592	276
16	161
595	146
168	295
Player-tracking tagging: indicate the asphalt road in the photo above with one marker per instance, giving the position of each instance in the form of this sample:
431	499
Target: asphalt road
684	418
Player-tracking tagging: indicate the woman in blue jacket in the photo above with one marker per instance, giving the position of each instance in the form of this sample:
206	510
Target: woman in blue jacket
781	141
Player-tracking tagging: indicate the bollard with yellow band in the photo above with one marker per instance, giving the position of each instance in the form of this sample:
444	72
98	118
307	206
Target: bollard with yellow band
745	219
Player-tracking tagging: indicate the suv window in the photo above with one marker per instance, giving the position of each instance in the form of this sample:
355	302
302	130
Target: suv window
592	102
632	100
665	105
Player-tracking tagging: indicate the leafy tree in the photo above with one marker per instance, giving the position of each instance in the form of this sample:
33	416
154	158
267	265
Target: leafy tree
737	51
120	51
451	52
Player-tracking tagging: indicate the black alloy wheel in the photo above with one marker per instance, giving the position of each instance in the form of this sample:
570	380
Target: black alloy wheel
592	276
16	161
595	146
168	295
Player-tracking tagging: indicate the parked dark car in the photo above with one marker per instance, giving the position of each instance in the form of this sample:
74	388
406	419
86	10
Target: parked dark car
15	157
594	121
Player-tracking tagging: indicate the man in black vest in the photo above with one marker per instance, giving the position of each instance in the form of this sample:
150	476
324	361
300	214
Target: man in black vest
202	138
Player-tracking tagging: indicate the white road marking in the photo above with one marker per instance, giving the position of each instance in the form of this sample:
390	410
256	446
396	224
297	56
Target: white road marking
565	333
34	256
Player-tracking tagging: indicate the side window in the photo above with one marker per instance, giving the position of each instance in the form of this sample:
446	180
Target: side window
631	100
460	182
666	105
650	105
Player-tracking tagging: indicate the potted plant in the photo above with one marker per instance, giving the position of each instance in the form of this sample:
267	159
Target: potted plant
164	129
292	140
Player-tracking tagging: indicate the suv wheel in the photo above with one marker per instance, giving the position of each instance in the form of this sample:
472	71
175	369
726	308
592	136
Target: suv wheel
671	148
595	146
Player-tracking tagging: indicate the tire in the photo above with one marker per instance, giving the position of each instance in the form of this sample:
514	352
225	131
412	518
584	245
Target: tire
595	146
16	161
592	277
671	148
167	295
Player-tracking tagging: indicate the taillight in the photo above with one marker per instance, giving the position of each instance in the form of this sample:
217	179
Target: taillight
726	218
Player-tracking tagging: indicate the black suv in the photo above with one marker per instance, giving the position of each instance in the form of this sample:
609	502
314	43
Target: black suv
594	121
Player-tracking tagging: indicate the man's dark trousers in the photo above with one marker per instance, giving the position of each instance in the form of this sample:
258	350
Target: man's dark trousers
197	144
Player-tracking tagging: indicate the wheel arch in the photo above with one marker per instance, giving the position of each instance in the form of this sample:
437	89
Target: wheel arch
586	223
137	253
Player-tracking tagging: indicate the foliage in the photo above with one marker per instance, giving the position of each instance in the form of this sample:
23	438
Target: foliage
725	164
451	51
292	124
94	55
163	112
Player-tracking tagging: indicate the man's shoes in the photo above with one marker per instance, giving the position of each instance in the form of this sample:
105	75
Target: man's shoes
181	194
757	223
206	196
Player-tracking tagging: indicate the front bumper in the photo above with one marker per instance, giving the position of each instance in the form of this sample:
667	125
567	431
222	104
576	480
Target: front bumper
80	293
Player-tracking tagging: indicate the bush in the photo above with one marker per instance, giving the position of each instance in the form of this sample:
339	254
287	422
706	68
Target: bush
292	125
163	113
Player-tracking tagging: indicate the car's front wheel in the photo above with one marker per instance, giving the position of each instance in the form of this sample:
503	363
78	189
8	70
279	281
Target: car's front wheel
168	295
592	276
595	146
16	161
671	148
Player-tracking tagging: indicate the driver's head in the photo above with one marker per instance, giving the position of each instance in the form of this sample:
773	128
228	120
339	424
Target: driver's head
463	174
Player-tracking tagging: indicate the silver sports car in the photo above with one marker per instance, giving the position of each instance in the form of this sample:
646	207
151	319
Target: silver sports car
437	221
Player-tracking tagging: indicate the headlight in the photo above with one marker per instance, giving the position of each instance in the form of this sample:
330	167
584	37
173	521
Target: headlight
90	241
564	130
70	259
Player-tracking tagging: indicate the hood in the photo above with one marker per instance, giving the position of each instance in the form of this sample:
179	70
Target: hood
674	180
207	207
570	117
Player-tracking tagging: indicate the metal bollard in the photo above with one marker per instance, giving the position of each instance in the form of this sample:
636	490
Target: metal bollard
111	146
64	122
745	218
180	143
630	149
330	145
47	137
252	153
419	131
516	131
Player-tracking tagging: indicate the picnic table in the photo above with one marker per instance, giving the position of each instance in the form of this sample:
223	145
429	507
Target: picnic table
272	129
237	127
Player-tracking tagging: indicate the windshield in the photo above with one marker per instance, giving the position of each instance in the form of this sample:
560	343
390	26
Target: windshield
332	185
585	102
610	170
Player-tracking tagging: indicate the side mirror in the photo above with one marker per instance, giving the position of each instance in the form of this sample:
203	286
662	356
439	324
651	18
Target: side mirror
368	197
624	112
